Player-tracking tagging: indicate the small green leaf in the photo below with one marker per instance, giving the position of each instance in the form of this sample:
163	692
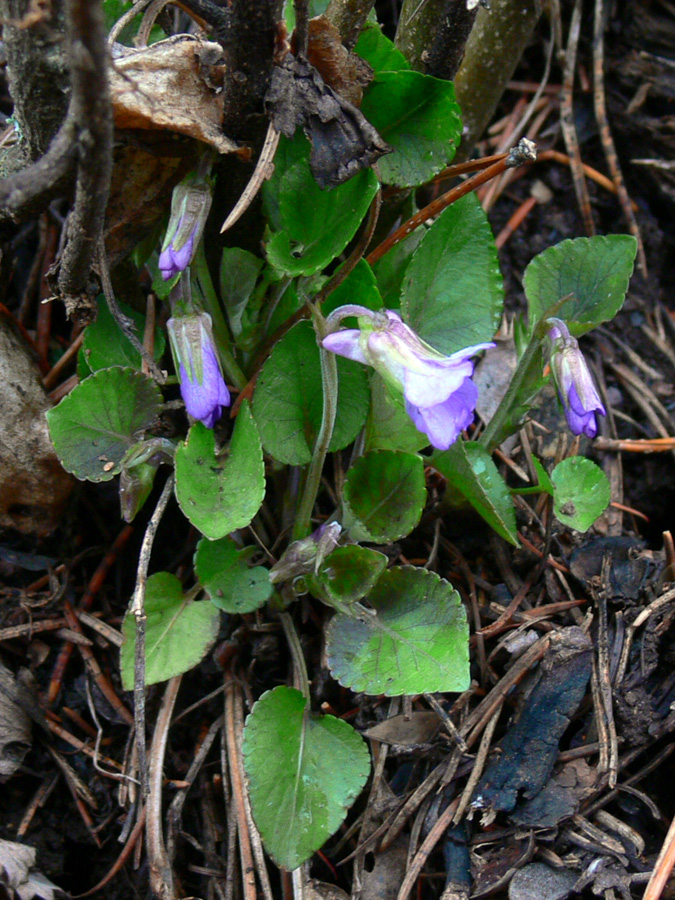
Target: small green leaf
100	419
348	574
377	50
417	642
304	772
105	345
219	494
178	632
582	492
469	468
229	581
288	398
239	271
312	226
452	291
389	427
595	271
419	117
384	496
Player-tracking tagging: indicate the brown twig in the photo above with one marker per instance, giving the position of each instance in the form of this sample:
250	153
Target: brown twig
567	120
247	868
445	200
159	864
606	134
94	586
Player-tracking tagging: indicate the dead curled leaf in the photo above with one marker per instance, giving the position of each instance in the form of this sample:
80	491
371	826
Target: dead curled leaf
173	85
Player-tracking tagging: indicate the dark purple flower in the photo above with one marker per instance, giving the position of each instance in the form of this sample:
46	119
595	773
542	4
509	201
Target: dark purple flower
202	385
576	389
440	396
190	205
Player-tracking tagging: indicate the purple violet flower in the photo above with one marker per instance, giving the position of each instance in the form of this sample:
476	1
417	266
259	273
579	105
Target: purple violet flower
574	382
190	205
440	396
202	385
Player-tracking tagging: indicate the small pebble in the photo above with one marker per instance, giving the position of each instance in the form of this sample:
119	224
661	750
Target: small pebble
538	881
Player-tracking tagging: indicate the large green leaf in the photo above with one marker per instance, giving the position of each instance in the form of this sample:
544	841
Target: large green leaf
219	494
469	467
102	417
178	632
311	226
304	771
377	50
593	272
419	117
288	398
229	581
452	292
384	496
417	642
581	492
105	345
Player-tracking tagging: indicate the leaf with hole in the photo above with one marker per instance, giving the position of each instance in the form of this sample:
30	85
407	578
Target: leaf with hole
581	492
384	496
178	632
223	492
417	641
311	226
100	419
232	585
304	771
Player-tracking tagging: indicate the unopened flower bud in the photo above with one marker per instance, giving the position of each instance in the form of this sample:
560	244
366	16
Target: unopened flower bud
307	554
190	205
202	385
574	382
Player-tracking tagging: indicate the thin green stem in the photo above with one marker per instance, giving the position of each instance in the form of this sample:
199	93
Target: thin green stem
329	381
300	669
491	437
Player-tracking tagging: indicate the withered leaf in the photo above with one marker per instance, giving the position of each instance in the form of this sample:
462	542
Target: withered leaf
174	85
343	140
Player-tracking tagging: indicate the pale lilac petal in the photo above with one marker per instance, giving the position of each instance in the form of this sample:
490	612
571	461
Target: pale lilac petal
205	401
346	343
435	383
468	352
444	422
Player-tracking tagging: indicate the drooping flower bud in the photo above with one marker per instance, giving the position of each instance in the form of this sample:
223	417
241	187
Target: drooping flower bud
440	396
574	382
190	205
202	385
307	554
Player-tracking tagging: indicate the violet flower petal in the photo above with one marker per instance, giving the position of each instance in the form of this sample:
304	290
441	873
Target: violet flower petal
205	401
443	422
